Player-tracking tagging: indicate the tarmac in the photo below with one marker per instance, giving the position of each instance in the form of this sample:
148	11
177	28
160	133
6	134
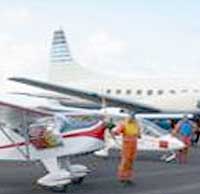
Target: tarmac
152	176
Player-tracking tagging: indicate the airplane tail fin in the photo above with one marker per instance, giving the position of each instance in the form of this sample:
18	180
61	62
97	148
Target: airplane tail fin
62	66
60	53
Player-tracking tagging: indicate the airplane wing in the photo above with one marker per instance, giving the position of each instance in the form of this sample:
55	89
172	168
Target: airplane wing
92	96
28	130
16	113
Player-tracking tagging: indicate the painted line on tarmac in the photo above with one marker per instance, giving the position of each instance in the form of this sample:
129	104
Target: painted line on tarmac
169	171
185	188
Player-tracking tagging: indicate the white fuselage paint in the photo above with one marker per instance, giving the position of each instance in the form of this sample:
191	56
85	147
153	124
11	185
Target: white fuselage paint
175	95
167	93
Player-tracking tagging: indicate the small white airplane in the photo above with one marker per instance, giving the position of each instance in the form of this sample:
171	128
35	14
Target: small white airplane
153	139
28	133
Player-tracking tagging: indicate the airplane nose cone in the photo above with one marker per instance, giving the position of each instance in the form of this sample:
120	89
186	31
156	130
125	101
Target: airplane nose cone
173	142
176	144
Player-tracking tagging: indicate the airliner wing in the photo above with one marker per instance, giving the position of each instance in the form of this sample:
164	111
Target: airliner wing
92	96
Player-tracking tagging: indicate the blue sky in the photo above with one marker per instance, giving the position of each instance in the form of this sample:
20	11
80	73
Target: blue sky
144	37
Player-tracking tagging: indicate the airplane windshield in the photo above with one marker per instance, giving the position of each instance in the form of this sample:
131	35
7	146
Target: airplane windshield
45	132
151	129
73	122
78	122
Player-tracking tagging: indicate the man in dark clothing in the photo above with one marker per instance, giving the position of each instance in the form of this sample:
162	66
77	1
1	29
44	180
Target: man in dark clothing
195	140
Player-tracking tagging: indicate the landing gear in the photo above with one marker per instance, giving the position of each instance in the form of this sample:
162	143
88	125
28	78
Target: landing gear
63	188
169	157
58	179
78	181
78	173
59	188
102	153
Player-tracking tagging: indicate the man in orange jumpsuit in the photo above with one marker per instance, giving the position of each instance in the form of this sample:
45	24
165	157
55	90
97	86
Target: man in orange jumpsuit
130	131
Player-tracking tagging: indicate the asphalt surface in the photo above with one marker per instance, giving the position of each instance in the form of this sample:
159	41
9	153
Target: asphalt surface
153	176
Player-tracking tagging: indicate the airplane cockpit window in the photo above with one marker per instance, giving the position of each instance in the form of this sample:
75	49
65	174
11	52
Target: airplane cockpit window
68	123
43	134
151	129
78	122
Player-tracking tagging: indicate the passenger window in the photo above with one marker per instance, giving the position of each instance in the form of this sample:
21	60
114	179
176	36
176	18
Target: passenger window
160	92
118	91
172	91
108	91
128	92
139	92
184	91
149	92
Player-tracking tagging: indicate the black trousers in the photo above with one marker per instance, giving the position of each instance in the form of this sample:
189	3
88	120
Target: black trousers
196	139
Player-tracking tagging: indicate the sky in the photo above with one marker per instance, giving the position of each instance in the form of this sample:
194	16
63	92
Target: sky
128	37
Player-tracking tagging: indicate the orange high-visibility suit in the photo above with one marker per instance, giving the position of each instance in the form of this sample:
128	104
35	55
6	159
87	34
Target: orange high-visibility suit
130	132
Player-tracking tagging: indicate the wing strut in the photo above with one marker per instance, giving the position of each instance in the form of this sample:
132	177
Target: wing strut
27	140
2	128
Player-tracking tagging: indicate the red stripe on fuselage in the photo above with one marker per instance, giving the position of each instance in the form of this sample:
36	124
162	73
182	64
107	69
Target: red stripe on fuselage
97	133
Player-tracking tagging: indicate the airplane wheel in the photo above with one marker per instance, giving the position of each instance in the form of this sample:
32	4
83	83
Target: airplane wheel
78	180
59	188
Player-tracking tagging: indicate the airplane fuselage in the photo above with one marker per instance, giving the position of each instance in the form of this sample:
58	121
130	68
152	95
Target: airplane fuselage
177	95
